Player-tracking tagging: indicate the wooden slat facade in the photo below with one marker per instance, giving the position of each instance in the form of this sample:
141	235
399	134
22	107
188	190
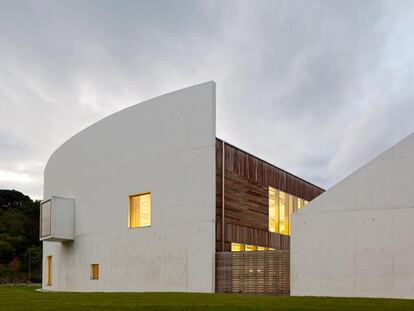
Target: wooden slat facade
253	272
246	210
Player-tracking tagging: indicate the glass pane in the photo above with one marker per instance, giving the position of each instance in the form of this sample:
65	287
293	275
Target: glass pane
145	209
140	210
300	203
273	210
46	219
283	213
250	248
236	247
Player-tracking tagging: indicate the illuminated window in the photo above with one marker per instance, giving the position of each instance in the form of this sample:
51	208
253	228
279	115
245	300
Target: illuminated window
281	206
94	271
139	210
283	213
49	271
273	210
250	248
45	219
236	247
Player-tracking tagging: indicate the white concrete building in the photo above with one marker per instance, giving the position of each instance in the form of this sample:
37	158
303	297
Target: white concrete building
148	199
357	238
130	201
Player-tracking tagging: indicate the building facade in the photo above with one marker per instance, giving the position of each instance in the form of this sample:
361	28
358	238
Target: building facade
141	201
356	239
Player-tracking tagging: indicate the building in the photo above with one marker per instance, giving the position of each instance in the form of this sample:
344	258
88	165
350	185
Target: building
141	201
356	239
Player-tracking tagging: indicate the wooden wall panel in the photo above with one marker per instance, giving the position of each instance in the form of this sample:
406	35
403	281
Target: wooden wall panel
246	183
253	272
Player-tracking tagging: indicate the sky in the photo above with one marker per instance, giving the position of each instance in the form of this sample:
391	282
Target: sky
317	88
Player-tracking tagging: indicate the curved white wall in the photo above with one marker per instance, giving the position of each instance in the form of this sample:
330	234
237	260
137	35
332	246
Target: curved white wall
166	146
356	239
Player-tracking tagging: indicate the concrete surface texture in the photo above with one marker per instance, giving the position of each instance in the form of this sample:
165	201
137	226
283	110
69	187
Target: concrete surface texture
356	239
165	146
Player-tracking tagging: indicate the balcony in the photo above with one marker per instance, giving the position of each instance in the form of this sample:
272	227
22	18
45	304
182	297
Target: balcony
57	220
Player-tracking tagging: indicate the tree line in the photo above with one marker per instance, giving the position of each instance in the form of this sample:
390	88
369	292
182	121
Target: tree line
20	248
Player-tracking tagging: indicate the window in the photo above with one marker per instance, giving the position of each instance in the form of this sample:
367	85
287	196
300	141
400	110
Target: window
45	219
49	271
281	207
139	210
273	210
283	213
300	203
237	247
94	271
250	248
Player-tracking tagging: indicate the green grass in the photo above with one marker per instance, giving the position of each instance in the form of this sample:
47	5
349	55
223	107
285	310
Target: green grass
27	298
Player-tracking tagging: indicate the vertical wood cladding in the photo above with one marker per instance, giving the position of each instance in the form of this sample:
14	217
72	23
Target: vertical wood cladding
253	272
246	182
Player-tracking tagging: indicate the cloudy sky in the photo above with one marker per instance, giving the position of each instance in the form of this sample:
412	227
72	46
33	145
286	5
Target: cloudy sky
315	87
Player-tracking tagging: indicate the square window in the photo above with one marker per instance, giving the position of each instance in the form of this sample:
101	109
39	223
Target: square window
139	210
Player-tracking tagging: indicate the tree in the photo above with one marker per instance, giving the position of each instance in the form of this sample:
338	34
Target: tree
19	237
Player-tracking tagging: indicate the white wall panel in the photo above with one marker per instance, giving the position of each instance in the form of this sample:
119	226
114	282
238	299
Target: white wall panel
165	146
356	238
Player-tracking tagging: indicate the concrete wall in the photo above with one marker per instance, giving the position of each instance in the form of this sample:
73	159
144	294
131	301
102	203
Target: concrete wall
166	146
356	239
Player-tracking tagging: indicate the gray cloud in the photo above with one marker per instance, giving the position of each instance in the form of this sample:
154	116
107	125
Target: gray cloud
317	88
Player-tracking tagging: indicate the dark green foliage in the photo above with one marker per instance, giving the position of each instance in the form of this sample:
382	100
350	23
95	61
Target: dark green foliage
26	298
19	238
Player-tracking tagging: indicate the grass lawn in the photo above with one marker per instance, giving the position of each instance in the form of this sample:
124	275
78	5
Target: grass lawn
27	298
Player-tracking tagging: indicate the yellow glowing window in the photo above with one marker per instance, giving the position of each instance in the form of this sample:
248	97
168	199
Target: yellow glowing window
300	203
236	247
94	271
250	248
139	210
48	270
283	213
273	210
305	202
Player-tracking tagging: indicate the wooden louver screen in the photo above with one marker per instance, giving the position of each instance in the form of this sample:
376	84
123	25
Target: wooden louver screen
265	272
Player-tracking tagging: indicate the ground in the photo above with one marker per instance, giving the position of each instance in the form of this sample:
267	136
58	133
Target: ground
27	298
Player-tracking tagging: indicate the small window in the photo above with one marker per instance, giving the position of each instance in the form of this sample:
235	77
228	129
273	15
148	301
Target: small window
250	248
49	271
236	247
139	210
94	271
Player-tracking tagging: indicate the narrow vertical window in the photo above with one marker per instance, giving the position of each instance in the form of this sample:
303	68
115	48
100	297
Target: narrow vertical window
94	271
273	210
300	203
292	203
139	210
49	271
283	213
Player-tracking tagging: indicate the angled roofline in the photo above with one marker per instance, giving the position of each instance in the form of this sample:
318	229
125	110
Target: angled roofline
252	155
